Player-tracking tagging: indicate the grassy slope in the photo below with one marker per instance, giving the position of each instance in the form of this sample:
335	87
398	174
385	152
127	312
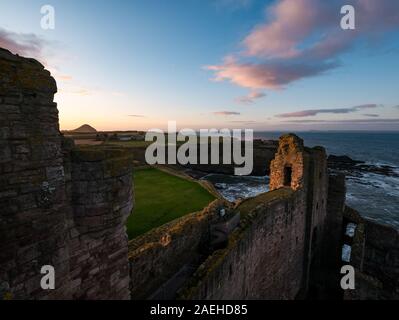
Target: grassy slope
160	198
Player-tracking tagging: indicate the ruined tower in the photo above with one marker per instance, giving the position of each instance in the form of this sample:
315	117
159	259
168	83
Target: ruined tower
59	206
305	170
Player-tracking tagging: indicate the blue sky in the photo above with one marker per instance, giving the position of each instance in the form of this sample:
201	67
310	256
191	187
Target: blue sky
218	63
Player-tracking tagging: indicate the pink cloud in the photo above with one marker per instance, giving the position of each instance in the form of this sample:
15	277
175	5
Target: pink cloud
300	39
289	22
314	112
226	113
292	23
346	121
272	75
24	44
251	97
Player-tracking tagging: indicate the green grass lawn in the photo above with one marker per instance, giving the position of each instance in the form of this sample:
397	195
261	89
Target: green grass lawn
160	198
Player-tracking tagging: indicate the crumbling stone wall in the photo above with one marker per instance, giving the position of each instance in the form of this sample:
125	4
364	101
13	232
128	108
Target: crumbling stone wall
375	257
264	258
102	197
160	253
58	206
275	253
278	244
290	155
327	277
307	168
316	186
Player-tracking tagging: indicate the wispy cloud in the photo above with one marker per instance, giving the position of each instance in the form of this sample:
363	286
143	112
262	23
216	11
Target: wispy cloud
24	44
62	77
75	90
268	75
251	97
314	112
136	116
383	120
226	113
244	121
371	115
301	39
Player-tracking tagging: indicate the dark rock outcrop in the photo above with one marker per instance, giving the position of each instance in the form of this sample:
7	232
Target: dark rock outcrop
355	168
263	154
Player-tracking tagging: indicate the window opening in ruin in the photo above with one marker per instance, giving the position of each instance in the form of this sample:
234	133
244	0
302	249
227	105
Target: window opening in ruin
287	176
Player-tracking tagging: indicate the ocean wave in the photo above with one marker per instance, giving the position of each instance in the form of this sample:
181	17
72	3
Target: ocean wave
373	195
376	181
233	188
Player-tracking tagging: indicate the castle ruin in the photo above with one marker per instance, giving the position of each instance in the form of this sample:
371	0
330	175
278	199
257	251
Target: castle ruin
66	207
59	205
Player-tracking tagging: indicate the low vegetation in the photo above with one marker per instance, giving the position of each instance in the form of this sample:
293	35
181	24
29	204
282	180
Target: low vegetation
128	144
160	198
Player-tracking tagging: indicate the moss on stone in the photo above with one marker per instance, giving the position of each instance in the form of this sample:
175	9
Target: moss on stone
248	211
249	205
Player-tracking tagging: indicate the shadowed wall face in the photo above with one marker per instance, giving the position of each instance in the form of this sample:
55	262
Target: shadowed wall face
58	206
33	197
264	258
375	257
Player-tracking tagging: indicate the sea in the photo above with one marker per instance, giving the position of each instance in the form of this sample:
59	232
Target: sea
375	196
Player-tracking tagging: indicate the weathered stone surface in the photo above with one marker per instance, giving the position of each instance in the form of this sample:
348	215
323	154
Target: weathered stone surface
67	207
375	257
289	156
159	254
48	215
271	255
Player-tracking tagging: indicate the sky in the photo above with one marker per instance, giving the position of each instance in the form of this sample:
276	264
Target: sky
262	65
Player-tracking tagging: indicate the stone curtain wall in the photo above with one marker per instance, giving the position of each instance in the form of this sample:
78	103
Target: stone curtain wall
329	275
316	186
160	253
264	259
272	253
102	198
33	201
44	219
308	172
278	247
375	257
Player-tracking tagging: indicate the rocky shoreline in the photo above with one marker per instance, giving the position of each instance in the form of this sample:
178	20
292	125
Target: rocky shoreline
264	151
356	168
